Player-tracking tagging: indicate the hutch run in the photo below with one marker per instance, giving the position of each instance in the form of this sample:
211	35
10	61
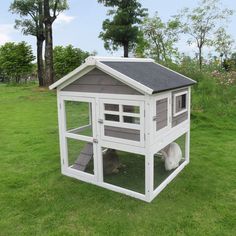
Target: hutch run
124	124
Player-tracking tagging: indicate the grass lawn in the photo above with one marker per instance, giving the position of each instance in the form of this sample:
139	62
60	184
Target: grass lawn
35	199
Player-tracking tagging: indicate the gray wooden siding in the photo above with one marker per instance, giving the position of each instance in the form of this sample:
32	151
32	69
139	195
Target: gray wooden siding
161	113
123	133
182	117
97	81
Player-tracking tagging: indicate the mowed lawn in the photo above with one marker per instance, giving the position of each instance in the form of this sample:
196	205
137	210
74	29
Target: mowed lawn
35	199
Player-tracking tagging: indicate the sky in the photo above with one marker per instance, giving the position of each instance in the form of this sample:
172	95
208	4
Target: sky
82	23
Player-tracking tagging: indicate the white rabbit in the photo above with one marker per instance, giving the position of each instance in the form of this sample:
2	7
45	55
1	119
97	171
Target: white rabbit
172	156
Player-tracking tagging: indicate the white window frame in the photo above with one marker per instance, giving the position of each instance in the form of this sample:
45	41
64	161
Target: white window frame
174	105
121	123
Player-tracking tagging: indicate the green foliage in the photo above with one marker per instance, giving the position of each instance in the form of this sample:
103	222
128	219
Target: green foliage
223	43
16	61
160	38
30	16
229	64
215	91
67	59
200	23
122	29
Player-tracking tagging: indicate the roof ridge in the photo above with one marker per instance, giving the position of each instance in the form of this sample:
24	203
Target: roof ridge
118	59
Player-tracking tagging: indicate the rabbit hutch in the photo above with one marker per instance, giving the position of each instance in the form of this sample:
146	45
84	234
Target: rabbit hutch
124	124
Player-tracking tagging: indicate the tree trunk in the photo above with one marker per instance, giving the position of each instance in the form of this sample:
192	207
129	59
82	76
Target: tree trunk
126	49
40	40
40	65
48	20
49	71
200	58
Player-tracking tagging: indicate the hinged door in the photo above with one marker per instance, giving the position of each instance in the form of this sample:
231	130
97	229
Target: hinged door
78	136
122	121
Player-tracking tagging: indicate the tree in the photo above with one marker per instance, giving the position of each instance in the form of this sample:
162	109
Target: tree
223	43
31	23
160	38
67	59
52	8
201	22
16	61
122	29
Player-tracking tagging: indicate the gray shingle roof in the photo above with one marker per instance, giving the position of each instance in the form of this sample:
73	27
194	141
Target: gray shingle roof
152	75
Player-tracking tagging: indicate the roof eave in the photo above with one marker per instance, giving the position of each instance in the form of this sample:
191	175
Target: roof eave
193	81
169	89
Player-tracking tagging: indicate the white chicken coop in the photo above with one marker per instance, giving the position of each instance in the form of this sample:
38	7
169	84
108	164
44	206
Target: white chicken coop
124	124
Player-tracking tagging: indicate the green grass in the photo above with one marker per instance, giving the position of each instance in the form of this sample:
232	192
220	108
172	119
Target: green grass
35	199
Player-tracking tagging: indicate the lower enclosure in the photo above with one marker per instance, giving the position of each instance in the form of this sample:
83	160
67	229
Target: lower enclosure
126	170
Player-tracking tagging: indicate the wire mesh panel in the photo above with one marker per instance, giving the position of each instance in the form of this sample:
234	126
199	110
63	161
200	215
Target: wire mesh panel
80	155
168	159
124	169
78	117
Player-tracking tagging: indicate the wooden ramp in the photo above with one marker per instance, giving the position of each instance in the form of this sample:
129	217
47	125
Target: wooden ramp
83	159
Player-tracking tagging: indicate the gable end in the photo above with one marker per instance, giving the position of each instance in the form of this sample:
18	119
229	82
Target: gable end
96	81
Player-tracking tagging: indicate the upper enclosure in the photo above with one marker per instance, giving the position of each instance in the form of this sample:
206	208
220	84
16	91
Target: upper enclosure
131	74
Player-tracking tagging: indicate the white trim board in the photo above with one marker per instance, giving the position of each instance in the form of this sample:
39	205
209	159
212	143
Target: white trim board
125	59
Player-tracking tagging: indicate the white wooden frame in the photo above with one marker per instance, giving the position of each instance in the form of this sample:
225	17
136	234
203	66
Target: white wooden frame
122	124
148	149
65	134
174	103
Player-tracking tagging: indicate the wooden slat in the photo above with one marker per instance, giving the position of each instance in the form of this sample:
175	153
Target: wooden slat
161	113
179	119
123	133
99	82
83	159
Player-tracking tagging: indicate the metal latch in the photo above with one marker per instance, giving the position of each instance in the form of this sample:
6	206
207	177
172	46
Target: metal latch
100	121
95	140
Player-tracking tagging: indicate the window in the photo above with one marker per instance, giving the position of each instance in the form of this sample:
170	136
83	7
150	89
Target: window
122	113
131	120
111	107
180	103
131	109
111	117
79	117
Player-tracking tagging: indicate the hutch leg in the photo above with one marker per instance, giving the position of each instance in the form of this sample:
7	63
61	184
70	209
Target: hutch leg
149	177
187	146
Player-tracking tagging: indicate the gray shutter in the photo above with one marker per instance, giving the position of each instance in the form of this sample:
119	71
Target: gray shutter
161	113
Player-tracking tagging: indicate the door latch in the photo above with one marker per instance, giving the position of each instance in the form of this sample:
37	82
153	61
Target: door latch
95	140
154	118
100	121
